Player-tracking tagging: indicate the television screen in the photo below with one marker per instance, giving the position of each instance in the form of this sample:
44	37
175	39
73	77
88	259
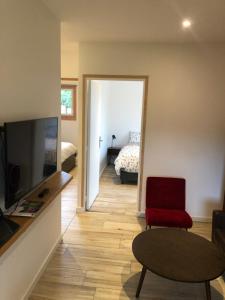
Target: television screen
30	154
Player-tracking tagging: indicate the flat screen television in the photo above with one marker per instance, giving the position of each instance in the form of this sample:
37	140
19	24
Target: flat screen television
30	156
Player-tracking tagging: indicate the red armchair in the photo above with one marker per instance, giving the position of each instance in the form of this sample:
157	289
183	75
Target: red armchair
165	203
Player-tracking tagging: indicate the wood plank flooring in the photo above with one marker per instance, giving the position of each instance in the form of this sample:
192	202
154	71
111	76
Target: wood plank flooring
69	201
95	260
114	197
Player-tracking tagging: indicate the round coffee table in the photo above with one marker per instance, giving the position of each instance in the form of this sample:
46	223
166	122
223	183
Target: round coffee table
178	255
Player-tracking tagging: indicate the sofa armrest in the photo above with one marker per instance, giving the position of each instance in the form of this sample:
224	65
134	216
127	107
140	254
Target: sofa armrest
218	221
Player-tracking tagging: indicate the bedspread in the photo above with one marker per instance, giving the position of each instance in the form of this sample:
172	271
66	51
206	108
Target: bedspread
67	149
128	159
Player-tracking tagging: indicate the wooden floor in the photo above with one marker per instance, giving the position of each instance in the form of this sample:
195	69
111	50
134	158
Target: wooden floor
95	260
114	197
69	201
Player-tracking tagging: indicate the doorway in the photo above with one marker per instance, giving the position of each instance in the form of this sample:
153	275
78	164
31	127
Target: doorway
115	125
69	147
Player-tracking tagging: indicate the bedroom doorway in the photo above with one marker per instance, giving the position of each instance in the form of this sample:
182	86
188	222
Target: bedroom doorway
69	147
115	124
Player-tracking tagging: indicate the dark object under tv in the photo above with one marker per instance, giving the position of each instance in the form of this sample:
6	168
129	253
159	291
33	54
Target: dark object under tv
128	177
30	156
7	228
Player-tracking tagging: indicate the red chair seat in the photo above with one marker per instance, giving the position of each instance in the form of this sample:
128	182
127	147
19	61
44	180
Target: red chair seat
168	217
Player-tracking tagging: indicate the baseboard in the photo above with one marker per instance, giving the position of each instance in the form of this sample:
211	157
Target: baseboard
102	170
80	210
41	270
202	219
141	214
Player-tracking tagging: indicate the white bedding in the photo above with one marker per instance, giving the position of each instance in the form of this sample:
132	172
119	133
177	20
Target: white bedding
67	149
128	159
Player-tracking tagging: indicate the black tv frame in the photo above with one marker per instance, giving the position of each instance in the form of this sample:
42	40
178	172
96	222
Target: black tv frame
11	204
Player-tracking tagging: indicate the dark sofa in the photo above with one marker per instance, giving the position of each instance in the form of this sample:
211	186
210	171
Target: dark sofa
218	227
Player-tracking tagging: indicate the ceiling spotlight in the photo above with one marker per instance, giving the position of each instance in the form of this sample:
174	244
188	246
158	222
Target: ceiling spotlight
186	23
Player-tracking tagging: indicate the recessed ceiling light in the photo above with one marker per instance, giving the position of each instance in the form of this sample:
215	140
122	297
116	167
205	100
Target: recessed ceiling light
186	23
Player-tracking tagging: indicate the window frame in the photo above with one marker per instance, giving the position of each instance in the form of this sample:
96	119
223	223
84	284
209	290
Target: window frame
72	87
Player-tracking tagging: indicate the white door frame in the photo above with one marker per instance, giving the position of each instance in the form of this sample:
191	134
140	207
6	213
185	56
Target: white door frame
85	108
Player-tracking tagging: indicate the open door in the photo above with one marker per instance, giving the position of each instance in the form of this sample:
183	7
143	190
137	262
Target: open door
94	140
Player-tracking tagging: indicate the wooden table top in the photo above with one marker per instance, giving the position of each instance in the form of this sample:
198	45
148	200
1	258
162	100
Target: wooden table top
178	255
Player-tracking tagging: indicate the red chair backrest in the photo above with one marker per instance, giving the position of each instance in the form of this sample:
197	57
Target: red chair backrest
165	192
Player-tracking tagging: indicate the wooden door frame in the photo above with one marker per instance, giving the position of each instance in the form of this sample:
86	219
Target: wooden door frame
84	145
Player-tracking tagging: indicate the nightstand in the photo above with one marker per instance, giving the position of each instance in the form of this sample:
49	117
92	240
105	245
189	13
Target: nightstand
112	153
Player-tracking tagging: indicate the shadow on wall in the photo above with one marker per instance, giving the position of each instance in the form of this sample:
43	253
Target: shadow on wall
156	287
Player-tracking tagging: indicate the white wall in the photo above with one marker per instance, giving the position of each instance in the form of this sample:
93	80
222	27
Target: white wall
28	256
185	112
69	59
30	53
69	69
30	88
69	131
121	109
125	109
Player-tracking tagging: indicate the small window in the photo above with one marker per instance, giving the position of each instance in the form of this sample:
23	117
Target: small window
68	102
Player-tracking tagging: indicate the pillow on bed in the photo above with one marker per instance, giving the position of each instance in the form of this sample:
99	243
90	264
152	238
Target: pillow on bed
135	137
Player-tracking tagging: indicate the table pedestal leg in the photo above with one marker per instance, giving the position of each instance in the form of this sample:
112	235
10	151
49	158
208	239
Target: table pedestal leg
207	288
143	272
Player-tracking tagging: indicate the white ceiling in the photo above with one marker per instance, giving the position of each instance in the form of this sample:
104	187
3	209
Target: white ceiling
140	20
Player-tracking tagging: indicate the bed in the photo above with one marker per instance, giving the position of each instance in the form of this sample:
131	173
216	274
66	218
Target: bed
68	156
127	162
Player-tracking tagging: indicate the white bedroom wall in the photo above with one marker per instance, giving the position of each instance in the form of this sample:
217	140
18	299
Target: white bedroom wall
69	131
125	109
69	69
185	111
120	113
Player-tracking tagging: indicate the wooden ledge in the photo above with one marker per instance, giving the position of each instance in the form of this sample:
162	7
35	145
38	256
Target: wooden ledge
55	184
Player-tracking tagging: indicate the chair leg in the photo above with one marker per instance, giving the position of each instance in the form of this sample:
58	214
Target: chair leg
148	227
208	291
142	277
